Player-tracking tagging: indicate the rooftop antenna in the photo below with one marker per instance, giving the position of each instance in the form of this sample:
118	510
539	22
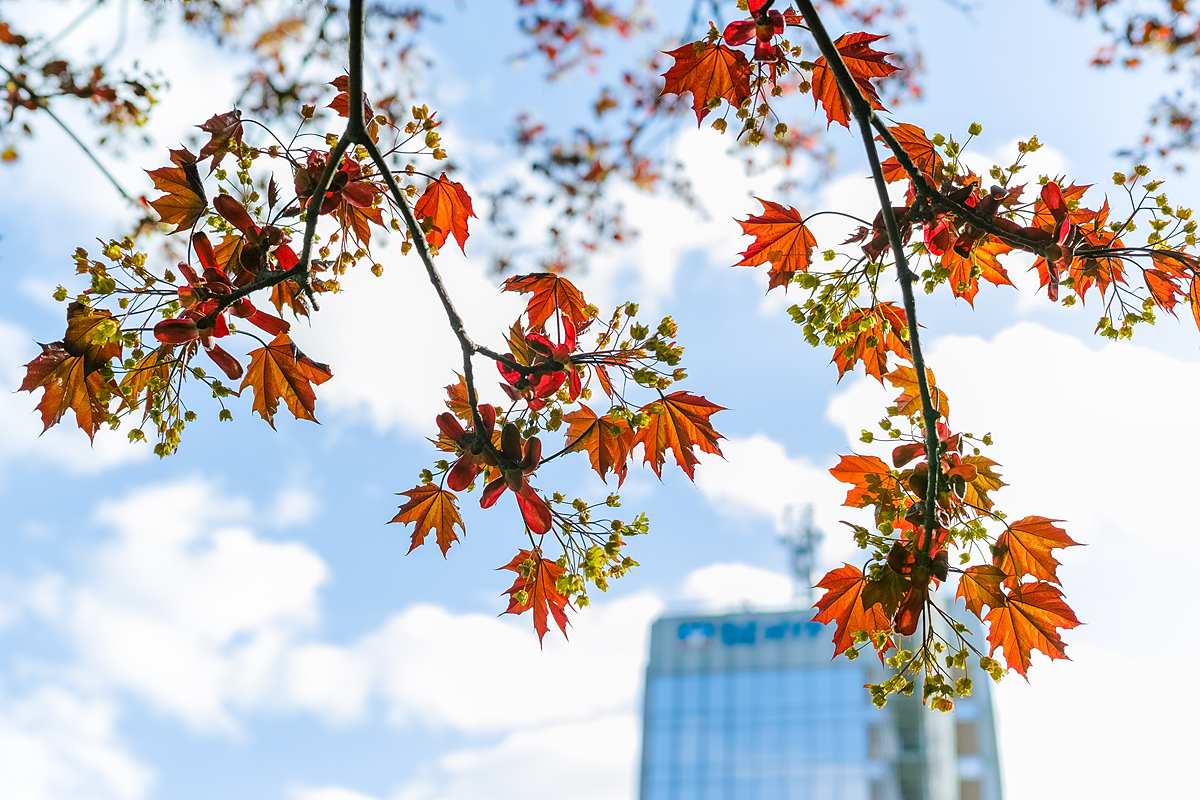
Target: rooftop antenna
802	539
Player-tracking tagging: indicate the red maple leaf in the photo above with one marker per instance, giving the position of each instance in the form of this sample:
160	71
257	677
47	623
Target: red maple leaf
1029	620
447	206
226	130
710	72
552	295
536	587
679	423
863	63
780	238
430	507
842	603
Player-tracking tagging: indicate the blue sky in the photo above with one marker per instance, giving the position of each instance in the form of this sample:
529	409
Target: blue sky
237	621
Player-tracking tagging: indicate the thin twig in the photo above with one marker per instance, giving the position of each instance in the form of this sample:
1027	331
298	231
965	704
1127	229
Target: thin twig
861	110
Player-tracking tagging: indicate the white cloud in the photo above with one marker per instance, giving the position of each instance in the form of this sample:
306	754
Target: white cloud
429	665
1102	708
183	608
325	793
669	231
205	621
735	587
291	506
758	476
596	759
391	347
57	746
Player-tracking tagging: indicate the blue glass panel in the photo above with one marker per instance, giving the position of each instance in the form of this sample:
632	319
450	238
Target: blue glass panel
658	696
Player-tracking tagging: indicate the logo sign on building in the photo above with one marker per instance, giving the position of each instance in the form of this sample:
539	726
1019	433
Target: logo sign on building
700	635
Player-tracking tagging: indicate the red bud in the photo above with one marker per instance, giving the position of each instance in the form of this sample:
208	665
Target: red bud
449	426
176	331
228	364
533	454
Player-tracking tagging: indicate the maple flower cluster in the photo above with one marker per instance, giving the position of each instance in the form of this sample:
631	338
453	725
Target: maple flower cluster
1005	570
134	333
548	378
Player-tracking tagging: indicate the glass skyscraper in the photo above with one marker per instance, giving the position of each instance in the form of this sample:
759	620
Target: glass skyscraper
751	707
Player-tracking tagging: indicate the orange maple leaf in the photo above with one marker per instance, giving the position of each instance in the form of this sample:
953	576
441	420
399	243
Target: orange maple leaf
863	63
68	384
153	365
867	474
93	334
1194	298
986	480
606	439
1043	213
552	295
358	220
842	603
280	370
69	371
918	147
1163	289
1029	620
537	580
678	422
981	262
184	201
908	403
226	129
709	72
875	334
458	400
1025	548
430	507
447	206
980	586
780	238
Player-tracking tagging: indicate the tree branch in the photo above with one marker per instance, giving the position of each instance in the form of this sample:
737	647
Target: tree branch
863	115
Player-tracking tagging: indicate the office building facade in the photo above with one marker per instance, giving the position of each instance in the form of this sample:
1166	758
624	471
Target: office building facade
751	707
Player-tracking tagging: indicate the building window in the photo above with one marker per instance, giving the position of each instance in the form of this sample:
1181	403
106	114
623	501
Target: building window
875	742
967	737
970	790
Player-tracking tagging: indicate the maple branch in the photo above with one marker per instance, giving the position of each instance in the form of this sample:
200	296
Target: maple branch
44	104
356	131
863	115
